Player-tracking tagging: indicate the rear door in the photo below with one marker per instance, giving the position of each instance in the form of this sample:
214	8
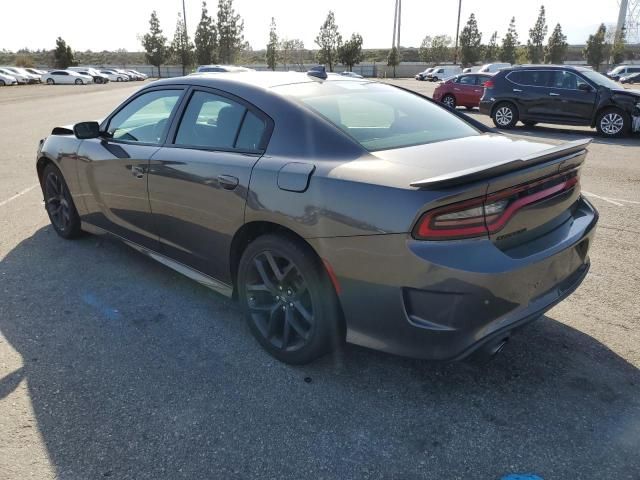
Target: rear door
114	168
531	91
199	181
464	89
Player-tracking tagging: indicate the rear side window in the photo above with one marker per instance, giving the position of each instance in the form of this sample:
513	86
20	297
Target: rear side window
216	122
379	116
467	80
532	78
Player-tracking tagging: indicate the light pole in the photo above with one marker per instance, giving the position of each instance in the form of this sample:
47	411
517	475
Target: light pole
455	54
186	37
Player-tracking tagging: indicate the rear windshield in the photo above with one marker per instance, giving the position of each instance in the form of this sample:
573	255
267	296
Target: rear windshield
379	116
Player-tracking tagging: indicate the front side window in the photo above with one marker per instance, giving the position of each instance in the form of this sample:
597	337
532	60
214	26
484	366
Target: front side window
566	80
216	122
379	116
145	118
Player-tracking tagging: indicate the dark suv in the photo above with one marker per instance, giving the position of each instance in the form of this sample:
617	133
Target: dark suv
563	95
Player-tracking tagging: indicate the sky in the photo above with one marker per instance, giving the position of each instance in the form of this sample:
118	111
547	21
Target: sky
113	24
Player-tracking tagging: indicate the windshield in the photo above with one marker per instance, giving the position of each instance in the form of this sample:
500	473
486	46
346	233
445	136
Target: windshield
379	116
600	79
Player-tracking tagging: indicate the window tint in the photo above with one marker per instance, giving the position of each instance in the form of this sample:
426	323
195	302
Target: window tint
210	121
145	118
251	133
379	116
467	80
566	80
534	78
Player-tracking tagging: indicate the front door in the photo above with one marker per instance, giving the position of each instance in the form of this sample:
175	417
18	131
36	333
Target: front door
113	168
199	181
575	98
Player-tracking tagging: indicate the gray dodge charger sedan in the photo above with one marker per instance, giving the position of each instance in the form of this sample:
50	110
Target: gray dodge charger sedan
332	208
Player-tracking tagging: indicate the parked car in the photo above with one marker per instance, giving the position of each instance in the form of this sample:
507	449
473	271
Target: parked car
464	90
23	79
21	72
493	67
443	72
66	77
35	71
351	75
561	94
92	72
221	68
423	75
622	71
331	208
7	80
632	78
114	76
471	69
137	75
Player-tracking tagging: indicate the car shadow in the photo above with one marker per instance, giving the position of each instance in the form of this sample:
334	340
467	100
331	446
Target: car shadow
133	371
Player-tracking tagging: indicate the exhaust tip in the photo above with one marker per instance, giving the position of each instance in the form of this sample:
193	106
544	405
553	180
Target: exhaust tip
488	352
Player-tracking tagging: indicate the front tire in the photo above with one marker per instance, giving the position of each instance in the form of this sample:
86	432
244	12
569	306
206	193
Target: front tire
59	203
79	81
288	299
50	81
613	123
505	115
449	100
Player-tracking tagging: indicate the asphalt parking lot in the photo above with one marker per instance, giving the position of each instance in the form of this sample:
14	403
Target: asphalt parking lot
113	366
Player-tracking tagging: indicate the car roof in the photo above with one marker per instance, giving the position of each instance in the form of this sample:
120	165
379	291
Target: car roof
548	67
262	80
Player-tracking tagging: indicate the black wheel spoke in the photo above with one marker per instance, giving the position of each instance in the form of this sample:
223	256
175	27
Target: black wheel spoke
272	321
295	323
274	266
304	313
258	287
266	281
51	183
286	330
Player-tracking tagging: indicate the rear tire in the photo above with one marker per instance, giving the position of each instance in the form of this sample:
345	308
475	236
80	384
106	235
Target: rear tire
2	84
505	115
449	101
613	123
288	300
59	203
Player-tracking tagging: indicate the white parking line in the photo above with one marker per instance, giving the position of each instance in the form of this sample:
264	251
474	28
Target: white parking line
18	195
610	200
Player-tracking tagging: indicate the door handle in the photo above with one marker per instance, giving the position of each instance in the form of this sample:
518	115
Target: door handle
228	182
457	89
554	94
137	172
517	90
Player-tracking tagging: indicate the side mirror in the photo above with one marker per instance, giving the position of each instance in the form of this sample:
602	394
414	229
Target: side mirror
584	87
85	130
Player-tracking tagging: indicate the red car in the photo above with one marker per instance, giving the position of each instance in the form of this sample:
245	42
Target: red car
462	90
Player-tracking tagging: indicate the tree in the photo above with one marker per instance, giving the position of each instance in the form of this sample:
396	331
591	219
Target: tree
492	50
290	51
393	59
329	40
425	49
508	52
535	46
230	32
350	52
181	48
595	50
618	47
470	42
155	43
272	46
24	60
206	39
556	49
63	55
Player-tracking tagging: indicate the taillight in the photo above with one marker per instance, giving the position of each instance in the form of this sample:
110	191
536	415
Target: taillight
482	216
489	84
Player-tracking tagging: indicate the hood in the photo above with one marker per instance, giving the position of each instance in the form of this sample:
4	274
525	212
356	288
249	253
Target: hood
625	91
402	166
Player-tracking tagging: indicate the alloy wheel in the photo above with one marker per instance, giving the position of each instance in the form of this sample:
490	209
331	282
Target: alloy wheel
50	81
612	123
56	201
279	301
449	101
504	116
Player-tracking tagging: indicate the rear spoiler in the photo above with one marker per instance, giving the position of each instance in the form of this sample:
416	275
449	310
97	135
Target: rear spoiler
470	175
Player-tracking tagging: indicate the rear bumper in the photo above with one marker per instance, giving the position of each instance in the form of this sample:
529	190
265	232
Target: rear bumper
444	300
485	106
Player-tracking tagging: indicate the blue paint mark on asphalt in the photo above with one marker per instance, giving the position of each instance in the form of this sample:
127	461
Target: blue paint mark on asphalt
522	476
108	312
